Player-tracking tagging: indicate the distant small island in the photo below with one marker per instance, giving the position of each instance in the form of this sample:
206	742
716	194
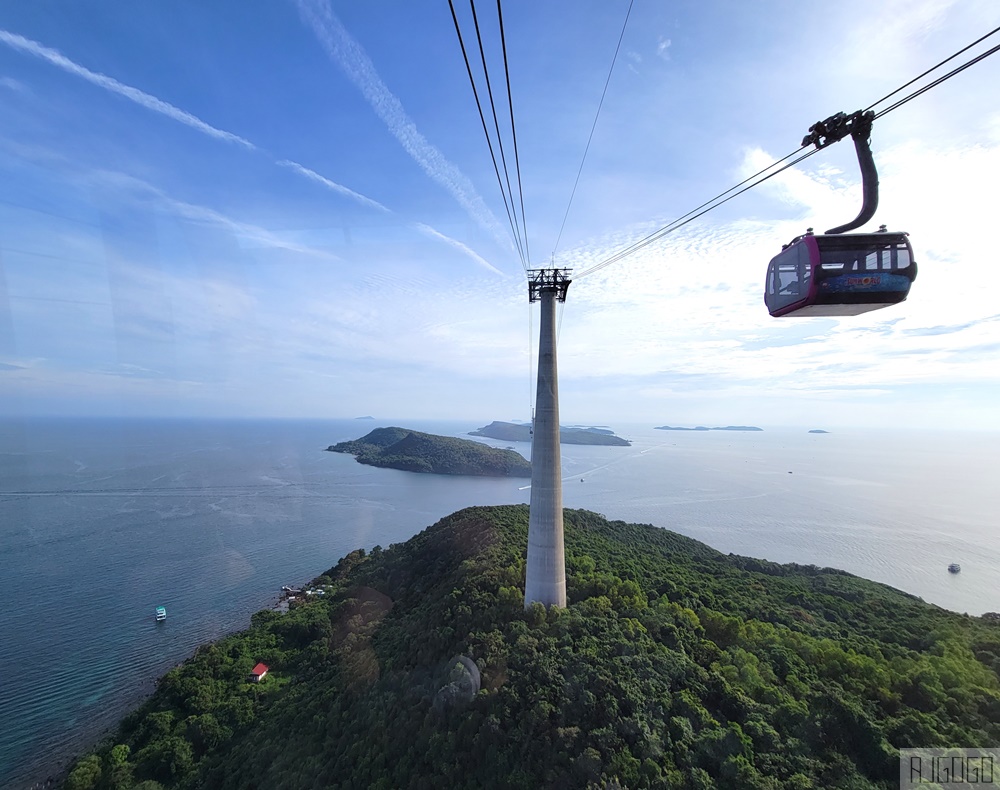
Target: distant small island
703	428
573	434
818	430
413	451
369	417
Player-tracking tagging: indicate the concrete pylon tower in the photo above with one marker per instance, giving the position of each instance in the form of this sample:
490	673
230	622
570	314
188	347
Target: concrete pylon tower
545	580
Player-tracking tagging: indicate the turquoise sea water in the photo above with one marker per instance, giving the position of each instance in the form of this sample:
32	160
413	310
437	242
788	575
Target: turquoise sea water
101	521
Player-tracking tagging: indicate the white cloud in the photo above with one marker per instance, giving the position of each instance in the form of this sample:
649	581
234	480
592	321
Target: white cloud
690	307
820	192
12	84
141	98
152	304
663	48
249	234
901	27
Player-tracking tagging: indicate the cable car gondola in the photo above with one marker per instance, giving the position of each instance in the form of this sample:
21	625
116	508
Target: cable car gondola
842	274
838	273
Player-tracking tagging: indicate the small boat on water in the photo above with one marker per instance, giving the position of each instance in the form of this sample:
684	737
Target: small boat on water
161	614
954	568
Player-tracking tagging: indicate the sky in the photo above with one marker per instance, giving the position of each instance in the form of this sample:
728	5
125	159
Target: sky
293	212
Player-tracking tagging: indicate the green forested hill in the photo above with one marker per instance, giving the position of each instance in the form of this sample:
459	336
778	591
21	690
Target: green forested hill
673	666
413	451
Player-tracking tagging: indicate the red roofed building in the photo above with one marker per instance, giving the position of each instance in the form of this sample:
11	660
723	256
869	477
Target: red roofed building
257	673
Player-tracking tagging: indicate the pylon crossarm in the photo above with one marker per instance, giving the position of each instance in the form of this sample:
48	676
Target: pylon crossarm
545	280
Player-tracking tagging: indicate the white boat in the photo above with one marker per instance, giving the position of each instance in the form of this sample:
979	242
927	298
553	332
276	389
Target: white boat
161	614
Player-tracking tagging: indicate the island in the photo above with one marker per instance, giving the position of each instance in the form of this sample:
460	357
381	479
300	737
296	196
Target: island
818	430
572	434
368	417
673	666
413	451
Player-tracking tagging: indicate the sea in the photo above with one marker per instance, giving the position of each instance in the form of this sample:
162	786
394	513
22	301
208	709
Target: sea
103	520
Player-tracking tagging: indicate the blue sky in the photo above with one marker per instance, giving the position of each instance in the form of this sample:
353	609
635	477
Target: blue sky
292	212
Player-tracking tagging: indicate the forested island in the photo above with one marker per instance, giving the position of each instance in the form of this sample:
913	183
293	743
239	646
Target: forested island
521	432
703	428
818	430
413	451
674	666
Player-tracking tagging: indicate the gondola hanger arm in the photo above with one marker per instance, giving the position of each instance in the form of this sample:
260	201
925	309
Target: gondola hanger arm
859	126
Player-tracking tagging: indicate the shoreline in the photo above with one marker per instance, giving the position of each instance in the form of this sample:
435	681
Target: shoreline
51	768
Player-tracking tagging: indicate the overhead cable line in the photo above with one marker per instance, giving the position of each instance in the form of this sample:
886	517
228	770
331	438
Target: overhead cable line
600	104
634	247
932	68
725	197
496	125
513	131
938	81
482	118
691	216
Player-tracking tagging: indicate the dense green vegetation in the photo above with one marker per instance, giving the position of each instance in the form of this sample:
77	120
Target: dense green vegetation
413	451
674	666
521	432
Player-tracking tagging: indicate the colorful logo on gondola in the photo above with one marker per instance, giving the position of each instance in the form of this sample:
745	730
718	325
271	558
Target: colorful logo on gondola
865	283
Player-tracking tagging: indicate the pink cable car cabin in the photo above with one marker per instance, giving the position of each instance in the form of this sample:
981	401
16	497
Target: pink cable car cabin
841	274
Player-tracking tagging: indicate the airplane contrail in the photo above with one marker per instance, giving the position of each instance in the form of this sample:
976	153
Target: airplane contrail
314	176
429	231
141	98
150	102
353	59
